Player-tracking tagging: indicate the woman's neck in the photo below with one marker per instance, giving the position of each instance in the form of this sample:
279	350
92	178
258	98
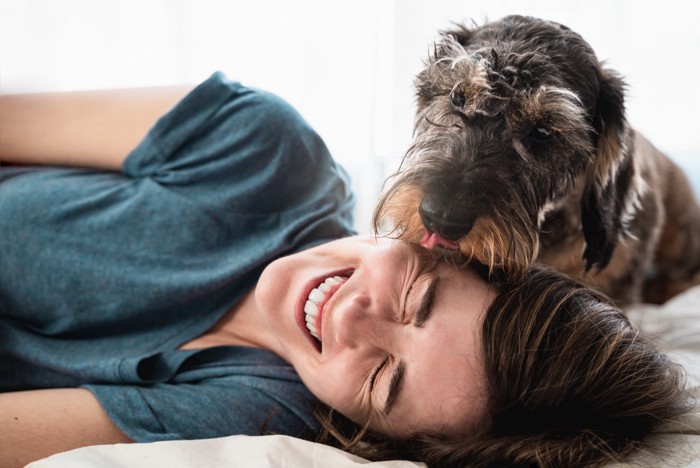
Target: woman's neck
240	326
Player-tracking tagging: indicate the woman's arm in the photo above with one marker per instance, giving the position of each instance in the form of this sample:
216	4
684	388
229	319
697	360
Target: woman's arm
39	423
85	128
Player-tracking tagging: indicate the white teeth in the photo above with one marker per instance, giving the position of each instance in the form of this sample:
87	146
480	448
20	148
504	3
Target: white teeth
311	327
310	308
316	297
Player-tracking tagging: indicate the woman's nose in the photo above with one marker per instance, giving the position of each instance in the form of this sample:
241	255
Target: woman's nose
355	323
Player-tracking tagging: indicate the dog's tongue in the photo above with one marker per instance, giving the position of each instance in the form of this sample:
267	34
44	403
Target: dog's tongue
431	240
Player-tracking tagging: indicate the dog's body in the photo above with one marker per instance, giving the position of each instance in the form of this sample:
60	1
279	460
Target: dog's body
522	153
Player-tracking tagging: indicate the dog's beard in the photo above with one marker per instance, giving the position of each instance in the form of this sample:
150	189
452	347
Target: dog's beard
500	241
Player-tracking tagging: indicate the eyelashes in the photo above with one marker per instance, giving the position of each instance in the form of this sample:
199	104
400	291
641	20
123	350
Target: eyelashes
375	373
402	315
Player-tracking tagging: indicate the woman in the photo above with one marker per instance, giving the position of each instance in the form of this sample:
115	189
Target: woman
164	295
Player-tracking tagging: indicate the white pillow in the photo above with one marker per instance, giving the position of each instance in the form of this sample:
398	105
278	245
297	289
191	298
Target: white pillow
273	451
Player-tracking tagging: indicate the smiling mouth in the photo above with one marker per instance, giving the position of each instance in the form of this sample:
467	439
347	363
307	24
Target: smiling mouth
318	297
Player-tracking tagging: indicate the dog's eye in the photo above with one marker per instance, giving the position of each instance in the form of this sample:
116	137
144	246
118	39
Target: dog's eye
457	100
540	133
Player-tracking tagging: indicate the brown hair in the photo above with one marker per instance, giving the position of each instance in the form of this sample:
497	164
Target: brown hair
570	382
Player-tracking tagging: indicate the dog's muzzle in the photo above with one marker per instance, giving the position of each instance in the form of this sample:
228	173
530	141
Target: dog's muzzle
440	219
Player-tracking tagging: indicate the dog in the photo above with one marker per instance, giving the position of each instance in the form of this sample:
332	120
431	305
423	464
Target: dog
522	154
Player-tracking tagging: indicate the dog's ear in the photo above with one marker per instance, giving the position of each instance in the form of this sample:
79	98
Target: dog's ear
609	124
610	175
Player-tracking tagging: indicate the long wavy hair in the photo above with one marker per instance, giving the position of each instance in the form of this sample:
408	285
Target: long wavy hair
570	382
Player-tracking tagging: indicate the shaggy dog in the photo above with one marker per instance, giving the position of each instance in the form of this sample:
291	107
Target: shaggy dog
522	154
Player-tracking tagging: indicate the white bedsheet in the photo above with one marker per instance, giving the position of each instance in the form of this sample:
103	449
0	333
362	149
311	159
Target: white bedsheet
676	326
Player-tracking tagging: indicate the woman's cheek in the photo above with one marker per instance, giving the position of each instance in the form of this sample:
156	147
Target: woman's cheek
345	390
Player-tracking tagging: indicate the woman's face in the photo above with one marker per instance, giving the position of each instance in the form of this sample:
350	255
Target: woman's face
399	340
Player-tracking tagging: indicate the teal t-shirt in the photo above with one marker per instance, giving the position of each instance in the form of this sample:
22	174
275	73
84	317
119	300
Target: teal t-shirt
104	274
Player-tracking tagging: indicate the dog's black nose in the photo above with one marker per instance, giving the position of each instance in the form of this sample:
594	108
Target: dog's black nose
438	218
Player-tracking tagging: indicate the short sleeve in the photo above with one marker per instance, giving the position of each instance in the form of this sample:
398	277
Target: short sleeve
216	392
241	150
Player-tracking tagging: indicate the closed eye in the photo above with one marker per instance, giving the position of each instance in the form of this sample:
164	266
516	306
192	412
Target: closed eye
395	383
375	373
426	304
418	319
405	303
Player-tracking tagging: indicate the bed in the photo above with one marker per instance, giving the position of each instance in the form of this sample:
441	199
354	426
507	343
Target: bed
675	325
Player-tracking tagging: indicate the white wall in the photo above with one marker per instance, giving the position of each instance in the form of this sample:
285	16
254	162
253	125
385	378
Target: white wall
347	65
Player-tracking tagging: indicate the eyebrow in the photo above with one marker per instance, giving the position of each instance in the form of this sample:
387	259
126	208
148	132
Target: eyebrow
426	307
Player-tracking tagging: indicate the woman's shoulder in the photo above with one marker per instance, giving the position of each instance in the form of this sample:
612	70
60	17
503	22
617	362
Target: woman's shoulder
234	137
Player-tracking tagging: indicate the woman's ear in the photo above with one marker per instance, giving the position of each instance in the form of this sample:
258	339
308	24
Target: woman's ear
610	176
